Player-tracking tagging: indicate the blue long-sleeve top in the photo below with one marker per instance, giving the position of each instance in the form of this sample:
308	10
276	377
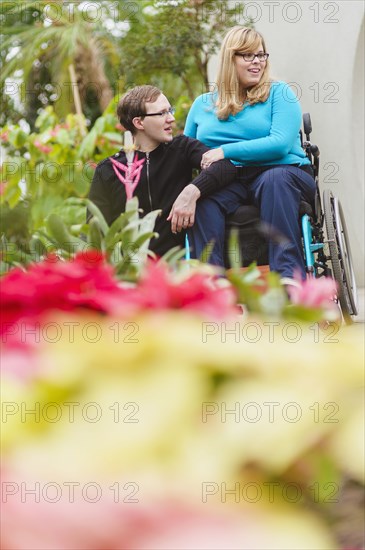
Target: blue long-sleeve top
261	134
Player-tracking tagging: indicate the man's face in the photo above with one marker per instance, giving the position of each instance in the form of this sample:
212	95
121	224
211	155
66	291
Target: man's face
158	128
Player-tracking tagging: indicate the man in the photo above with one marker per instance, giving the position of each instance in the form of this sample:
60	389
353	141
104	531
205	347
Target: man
167	171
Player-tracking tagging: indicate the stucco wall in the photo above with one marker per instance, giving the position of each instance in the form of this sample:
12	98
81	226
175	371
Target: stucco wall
319	48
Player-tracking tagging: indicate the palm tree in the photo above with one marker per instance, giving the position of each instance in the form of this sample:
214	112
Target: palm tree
74	47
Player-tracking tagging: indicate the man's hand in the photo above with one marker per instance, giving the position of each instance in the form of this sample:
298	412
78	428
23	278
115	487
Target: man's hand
212	156
182	214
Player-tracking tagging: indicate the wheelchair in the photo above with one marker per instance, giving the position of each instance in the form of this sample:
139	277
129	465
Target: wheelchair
326	246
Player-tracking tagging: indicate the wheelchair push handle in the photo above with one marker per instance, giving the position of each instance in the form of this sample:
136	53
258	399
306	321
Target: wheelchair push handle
311	149
307	125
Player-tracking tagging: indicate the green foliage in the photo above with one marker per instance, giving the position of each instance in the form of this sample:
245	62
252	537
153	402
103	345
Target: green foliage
170	43
49	38
124	243
57	160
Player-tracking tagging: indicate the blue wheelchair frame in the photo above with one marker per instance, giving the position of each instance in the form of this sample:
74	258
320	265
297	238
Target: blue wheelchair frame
314	221
338	264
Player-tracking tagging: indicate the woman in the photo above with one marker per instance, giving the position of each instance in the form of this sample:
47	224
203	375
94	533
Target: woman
254	122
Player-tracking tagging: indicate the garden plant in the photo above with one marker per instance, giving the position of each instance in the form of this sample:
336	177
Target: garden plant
155	402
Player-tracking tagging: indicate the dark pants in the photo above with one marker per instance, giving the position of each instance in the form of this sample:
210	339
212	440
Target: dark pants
277	192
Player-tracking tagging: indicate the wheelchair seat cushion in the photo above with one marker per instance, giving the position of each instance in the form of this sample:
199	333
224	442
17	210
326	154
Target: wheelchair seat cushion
249	215
245	214
253	241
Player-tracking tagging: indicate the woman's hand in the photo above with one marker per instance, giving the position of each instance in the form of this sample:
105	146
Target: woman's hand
182	214
212	156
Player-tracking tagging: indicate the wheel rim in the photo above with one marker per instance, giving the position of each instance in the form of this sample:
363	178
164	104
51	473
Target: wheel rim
346	258
340	255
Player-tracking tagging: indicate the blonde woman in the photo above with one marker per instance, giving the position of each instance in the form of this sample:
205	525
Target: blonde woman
254	122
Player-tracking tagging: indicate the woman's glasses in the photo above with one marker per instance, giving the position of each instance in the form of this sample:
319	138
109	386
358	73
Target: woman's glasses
251	56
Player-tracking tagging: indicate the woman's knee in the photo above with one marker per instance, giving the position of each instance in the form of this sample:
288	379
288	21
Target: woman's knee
284	179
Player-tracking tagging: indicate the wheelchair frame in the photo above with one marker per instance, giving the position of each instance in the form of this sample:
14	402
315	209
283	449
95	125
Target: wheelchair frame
331	219
313	227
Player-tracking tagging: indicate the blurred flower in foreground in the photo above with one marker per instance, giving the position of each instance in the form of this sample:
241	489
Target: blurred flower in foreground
146	410
89	282
314	292
144	415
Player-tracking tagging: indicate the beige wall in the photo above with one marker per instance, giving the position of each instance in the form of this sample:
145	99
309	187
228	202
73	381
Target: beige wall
319	48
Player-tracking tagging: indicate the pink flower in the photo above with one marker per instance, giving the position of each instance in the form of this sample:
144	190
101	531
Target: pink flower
313	293
3	185
81	525
132	174
198	292
59	127
43	148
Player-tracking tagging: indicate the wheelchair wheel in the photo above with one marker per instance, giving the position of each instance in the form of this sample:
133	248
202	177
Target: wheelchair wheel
340	255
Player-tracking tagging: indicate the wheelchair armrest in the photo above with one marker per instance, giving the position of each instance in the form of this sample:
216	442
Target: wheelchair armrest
315	151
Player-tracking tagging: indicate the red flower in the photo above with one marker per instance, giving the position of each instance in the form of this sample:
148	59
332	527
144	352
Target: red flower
89	282
86	282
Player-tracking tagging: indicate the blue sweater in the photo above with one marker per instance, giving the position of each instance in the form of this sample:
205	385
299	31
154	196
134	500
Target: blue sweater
262	134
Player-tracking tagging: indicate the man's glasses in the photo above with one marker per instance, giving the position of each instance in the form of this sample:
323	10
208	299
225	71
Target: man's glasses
165	113
251	56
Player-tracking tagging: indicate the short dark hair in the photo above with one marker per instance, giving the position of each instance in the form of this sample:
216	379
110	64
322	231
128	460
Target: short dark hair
133	103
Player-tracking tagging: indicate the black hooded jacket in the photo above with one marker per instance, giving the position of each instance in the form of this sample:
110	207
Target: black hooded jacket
166	171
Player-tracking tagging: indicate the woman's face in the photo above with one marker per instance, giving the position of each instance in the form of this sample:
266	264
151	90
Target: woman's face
249	73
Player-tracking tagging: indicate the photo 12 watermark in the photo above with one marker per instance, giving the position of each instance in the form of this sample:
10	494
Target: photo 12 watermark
269	492
70	411
248	12
252	332
253	412
126	492
52	332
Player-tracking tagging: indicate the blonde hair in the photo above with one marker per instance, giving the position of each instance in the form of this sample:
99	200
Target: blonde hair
230	95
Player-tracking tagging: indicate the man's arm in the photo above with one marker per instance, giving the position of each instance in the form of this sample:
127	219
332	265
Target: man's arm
215	177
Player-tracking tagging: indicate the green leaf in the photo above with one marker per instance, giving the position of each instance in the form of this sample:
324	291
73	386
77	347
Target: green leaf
37	248
94	210
122	222
87	146
12	195
207	252
95	237
63	237
234	250
113	136
173	255
63	137
80	184
99	125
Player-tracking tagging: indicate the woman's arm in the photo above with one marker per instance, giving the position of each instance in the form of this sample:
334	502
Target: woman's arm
286	119
190	126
